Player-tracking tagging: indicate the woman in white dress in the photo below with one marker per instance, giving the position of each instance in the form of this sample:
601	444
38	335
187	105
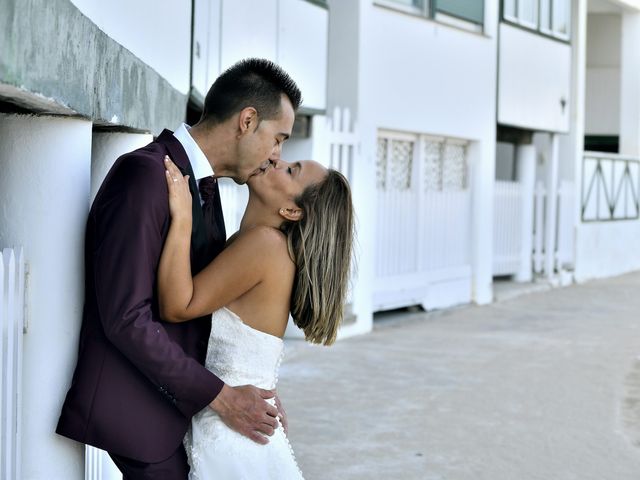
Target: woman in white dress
291	254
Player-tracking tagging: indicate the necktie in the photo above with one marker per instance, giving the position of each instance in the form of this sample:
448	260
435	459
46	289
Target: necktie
214	224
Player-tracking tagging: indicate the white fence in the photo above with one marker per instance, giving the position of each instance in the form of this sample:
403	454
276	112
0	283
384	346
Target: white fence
341	136
508	215
564	253
423	239
507	232
12	320
343	139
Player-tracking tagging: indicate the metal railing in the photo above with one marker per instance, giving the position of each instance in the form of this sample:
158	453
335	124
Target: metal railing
610	187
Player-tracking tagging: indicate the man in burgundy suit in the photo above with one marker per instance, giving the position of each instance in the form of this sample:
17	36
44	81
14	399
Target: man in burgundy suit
138	380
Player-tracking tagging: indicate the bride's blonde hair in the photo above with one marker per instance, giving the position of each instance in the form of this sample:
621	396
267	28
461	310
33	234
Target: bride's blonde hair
320	245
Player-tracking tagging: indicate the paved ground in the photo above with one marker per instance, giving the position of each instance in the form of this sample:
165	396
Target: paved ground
545	386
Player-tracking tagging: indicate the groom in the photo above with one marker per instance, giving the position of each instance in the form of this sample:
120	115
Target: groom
138	380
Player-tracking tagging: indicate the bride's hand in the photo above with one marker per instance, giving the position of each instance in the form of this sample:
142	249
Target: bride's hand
179	194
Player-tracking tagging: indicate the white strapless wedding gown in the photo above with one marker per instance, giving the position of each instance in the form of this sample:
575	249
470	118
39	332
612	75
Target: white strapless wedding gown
239	355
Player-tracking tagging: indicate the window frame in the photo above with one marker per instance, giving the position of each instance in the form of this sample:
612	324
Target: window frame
538	28
429	10
320	3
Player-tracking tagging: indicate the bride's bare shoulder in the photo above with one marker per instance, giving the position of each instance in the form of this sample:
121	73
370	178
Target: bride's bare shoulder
266	241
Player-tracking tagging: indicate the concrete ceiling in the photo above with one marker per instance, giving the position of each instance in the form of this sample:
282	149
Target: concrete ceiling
613	6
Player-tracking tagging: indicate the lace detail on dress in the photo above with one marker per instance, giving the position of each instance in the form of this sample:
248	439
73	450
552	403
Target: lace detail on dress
239	355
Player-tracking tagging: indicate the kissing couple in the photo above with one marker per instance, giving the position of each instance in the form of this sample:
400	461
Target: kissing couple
181	337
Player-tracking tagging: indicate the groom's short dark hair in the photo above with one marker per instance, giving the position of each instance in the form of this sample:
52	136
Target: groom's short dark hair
253	82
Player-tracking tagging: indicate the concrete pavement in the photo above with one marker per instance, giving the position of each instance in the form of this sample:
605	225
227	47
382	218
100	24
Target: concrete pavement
544	386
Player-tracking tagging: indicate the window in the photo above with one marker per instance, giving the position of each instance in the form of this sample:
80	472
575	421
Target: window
550	17
469	11
410	3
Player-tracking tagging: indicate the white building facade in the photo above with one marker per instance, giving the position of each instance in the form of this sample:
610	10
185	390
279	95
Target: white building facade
484	139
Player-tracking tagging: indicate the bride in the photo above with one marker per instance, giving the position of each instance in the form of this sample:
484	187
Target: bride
291	254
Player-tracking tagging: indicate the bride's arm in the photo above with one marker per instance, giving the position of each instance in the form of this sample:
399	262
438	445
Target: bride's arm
236	270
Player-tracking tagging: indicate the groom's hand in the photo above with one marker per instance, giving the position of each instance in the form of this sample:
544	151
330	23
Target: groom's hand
245	410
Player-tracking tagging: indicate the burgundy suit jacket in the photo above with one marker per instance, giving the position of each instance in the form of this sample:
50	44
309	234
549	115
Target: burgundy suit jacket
138	380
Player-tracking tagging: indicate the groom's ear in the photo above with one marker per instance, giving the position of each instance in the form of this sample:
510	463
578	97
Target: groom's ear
248	120
291	214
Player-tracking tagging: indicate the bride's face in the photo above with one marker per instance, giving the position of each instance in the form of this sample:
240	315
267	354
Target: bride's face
282	182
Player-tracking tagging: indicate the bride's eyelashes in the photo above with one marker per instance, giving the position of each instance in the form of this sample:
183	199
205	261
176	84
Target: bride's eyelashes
289	171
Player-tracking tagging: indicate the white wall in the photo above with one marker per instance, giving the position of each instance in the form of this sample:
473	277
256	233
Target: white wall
158	32
105	150
303	48
207	16
534	76
248	29
602	101
428	77
606	249
431	78
44	192
293	33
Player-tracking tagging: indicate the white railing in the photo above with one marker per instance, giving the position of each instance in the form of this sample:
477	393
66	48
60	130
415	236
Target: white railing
564	245
507	231
92	463
343	140
565	228
99	466
508	228
540	195
12	321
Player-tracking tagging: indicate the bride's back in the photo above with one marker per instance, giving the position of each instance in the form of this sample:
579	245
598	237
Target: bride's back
266	306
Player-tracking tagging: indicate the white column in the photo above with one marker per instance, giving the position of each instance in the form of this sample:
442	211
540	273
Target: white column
551	206
482	183
105	150
572	145
44	193
630	85
526	175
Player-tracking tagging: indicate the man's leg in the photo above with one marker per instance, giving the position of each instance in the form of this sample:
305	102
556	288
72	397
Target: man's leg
173	468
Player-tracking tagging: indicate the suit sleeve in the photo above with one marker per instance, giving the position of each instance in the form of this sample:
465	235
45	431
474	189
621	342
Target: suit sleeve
131	217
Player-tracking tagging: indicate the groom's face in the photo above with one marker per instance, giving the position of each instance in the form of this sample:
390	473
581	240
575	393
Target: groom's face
263	145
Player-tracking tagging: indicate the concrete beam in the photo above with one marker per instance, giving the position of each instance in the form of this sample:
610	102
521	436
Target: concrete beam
53	59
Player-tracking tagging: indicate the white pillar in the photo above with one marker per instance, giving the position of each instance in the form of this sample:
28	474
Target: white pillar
630	85
573	144
44	193
482	183
105	150
526	176
551	206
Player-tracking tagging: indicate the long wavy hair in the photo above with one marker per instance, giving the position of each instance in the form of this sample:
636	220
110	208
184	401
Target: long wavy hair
320	244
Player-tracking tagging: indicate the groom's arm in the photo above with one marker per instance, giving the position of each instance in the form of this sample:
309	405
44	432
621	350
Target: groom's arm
131	218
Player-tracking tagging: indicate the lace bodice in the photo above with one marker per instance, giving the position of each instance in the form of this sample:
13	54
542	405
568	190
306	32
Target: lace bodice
239	355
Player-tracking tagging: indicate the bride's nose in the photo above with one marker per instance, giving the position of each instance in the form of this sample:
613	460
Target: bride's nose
280	164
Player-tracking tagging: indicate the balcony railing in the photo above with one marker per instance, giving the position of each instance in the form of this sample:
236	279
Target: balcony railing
610	187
